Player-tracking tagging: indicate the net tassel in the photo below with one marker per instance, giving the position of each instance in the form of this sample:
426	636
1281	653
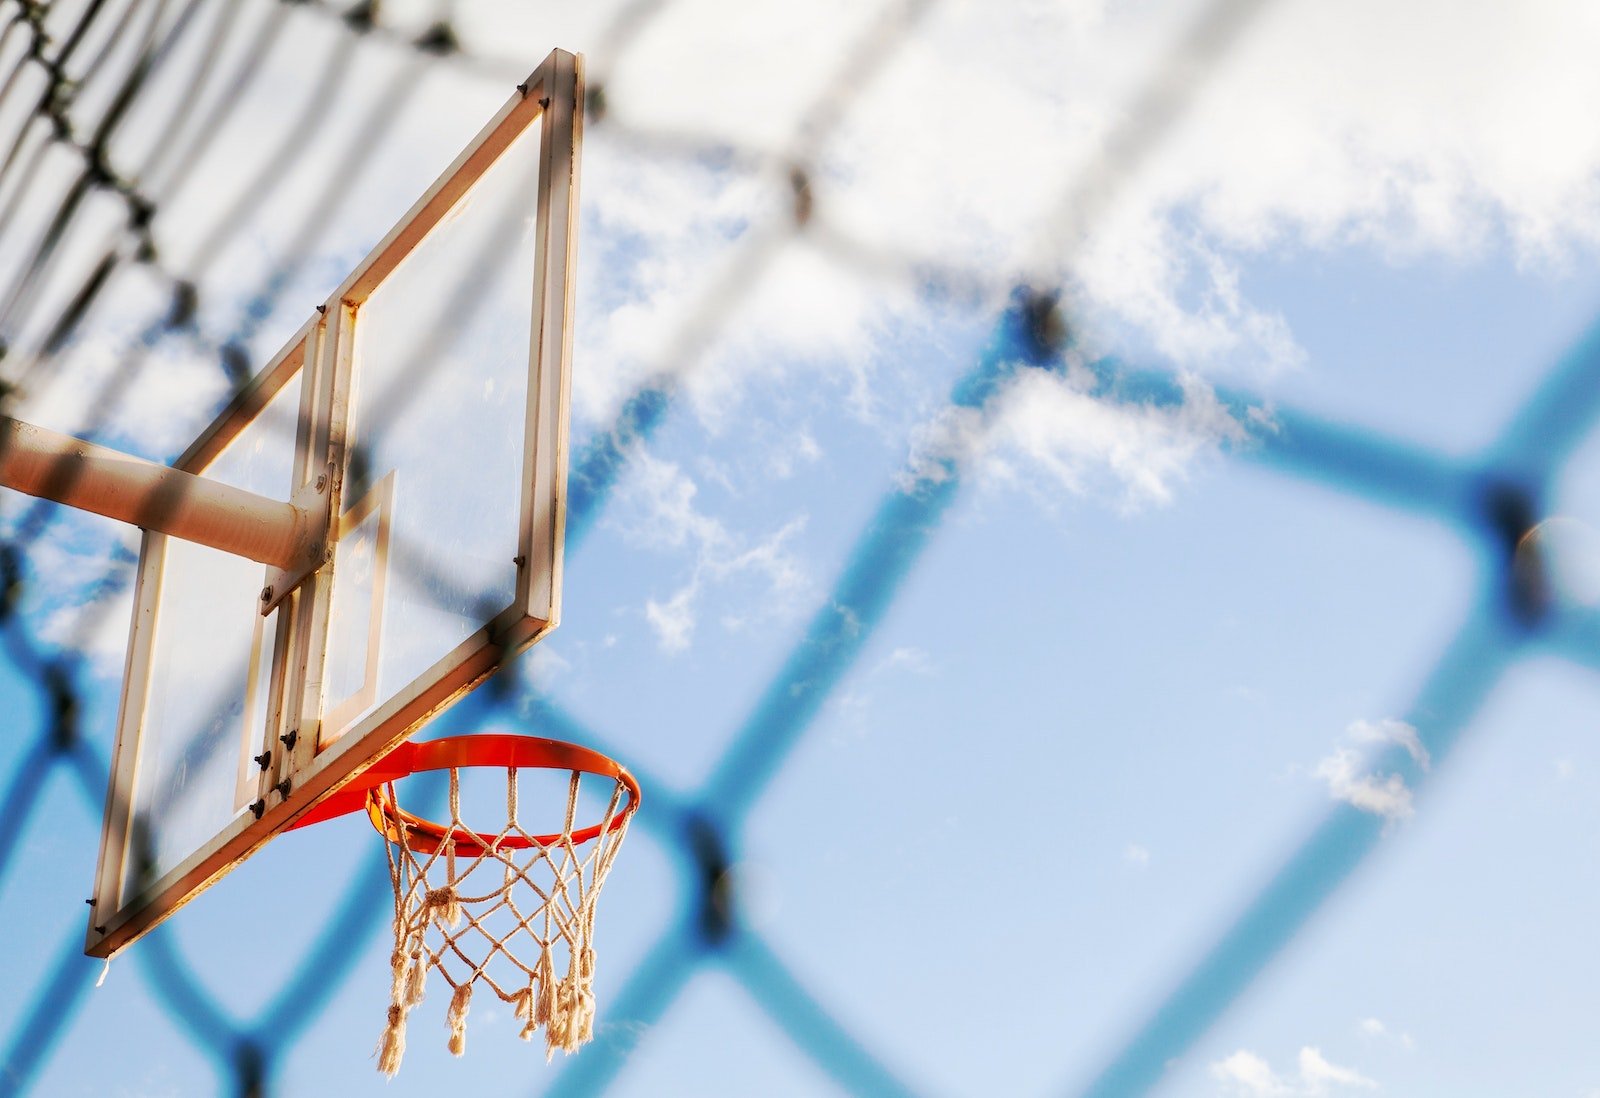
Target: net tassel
525	1005
586	998
417	980
555	1030
560	1033
580	1022
456	1018
397	988
545	1008
572	1023
392	1046
547	1005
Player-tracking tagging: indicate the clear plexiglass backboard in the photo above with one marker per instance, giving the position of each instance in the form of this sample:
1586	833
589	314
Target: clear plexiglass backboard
427	402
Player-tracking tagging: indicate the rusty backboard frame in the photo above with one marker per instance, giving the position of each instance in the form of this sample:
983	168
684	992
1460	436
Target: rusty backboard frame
303	767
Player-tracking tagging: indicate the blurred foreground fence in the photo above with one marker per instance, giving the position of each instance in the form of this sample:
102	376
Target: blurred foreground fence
56	58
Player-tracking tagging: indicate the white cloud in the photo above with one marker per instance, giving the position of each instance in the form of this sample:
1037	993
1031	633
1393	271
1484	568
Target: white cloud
1248	1075
1317	1075
1390	731
545	663
1350	125
908	658
1349	778
1347	781
1322	128
1136	855
1374	1028
1057	427
159	407
72	558
658	510
792	449
673	620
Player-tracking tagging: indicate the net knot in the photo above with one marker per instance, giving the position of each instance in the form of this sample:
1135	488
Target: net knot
444	904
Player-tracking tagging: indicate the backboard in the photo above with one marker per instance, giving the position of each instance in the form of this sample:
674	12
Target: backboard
426	404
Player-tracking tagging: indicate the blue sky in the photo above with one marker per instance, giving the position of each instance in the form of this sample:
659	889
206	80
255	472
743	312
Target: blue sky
1153	711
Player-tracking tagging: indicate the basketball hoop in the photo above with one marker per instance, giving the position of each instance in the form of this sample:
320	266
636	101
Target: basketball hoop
465	898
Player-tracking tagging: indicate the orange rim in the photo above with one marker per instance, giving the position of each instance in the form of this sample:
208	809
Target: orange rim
500	750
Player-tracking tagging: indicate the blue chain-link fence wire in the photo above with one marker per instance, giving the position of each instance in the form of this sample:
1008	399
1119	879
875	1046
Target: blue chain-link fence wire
1491	499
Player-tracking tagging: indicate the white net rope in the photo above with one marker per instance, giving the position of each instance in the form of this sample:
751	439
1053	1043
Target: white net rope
513	911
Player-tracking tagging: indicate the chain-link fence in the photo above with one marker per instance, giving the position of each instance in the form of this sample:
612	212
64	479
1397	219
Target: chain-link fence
110	109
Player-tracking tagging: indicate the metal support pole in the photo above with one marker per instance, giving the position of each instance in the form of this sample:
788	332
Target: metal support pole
108	482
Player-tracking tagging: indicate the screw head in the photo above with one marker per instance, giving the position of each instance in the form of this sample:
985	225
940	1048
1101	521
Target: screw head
266	594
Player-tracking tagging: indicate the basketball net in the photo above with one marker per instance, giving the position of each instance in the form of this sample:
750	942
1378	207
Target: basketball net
525	903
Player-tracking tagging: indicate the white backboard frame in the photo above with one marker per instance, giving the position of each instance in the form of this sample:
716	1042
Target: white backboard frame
302	768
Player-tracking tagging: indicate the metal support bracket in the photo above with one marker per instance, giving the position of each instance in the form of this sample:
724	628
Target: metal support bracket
316	500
